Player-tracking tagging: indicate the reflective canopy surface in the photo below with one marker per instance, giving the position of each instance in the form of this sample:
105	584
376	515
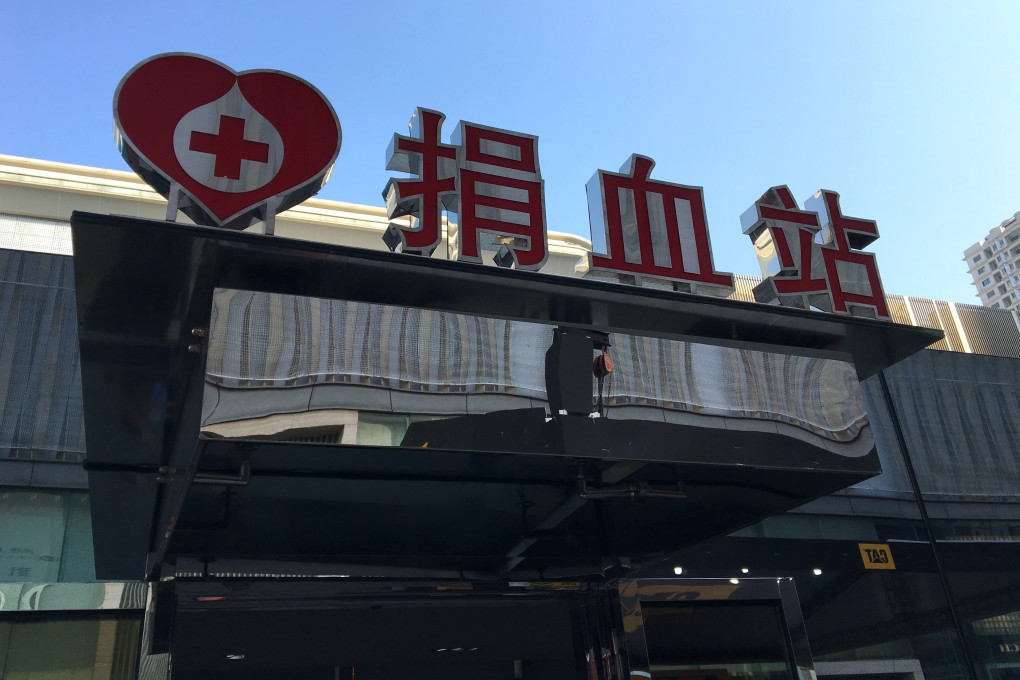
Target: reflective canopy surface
406	458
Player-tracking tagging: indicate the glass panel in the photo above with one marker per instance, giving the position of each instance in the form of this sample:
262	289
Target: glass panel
45	537
854	615
70	650
959	415
716	640
453	637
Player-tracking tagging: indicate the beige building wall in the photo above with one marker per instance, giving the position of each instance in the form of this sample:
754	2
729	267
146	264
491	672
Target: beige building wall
51	190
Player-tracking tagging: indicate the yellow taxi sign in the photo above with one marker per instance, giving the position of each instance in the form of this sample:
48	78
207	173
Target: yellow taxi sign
876	555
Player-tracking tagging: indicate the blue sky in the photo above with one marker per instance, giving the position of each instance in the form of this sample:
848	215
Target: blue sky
910	110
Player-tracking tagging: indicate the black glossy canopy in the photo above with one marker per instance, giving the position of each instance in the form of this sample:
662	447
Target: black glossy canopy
144	298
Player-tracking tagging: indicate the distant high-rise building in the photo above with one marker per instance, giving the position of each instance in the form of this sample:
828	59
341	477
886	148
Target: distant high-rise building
994	263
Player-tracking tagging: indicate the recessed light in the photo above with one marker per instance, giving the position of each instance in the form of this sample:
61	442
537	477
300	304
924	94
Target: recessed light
235	657
744	570
816	571
441	649
734	581
678	570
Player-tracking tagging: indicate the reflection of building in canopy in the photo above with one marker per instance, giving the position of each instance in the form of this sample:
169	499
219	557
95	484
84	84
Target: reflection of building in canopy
284	367
409	362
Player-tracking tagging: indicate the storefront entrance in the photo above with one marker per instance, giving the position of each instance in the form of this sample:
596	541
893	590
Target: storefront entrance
669	629
457	425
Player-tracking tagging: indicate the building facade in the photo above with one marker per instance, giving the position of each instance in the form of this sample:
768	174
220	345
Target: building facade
945	603
994	264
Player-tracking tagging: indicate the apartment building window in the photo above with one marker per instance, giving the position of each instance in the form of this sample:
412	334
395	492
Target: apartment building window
991	294
976	258
985	282
981	270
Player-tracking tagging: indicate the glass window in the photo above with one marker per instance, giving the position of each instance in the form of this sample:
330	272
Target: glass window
45	537
720	639
101	649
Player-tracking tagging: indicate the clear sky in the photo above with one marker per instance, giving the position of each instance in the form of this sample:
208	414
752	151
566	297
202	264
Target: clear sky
910	110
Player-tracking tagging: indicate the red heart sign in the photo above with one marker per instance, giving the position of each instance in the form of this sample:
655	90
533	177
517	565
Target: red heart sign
226	148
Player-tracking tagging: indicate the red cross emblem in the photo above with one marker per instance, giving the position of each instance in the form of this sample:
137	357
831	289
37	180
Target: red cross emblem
229	147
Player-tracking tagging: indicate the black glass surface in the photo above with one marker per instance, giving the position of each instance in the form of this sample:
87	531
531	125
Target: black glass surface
716	640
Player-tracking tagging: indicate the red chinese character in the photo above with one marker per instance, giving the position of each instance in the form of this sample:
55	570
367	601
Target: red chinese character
784	238
802	272
853	275
651	228
424	155
501	192
489	177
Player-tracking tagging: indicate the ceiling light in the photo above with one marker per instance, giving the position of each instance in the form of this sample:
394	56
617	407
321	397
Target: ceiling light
734	581
816	571
235	657
744	570
678	570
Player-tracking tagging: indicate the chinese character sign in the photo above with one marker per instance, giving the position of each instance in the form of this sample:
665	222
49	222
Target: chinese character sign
812	257
489	177
651	228
424	155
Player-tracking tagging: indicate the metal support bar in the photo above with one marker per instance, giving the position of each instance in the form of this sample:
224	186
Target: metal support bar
634	490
